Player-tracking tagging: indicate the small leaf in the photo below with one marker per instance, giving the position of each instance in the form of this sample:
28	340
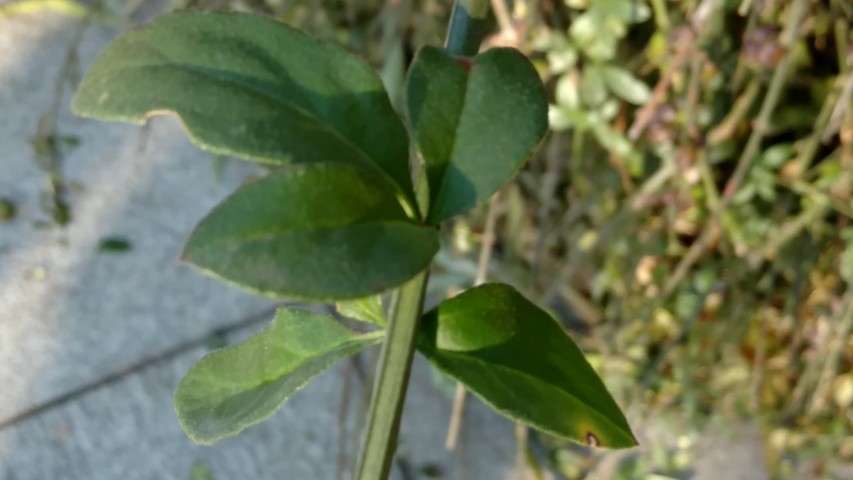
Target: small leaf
250	87
517	359
7	210
114	245
776	155
474	122
583	29
562	58
567	92
624	85
561	118
593	88
611	139
367	309
317	232
242	385
200	471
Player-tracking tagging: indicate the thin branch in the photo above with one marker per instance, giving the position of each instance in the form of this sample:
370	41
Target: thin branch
830	368
504	19
482	273
777	82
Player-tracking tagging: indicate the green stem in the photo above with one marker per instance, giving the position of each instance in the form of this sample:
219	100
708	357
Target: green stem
392	379
466	31
467	27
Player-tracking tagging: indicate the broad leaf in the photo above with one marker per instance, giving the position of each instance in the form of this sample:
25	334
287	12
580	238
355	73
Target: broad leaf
250	87
517	359
593	89
317	232
367	309
244	384
474	123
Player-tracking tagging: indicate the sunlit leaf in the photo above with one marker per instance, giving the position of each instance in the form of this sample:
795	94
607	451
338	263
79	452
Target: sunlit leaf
593	88
624	85
242	385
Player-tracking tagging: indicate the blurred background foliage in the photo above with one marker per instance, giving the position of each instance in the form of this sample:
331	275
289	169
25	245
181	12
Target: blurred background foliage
688	217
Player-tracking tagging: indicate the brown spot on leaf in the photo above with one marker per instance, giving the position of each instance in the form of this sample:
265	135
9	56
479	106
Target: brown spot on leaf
592	440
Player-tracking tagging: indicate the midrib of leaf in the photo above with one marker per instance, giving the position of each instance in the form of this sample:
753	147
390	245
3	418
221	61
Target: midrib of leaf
453	142
521	373
314	364
354	341
275	232
256	87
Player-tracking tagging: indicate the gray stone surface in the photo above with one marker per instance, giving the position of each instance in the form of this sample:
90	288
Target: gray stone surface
734	453
128	431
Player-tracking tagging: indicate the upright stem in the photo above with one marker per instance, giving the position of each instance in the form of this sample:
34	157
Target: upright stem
392	379
467	27
466	31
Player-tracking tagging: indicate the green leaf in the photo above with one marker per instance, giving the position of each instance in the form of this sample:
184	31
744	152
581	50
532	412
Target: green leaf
593	88
611	139
242	385
317	232
567	92
114	245
367	309
517	359
250	87
200	471
622	83
474	123
7	210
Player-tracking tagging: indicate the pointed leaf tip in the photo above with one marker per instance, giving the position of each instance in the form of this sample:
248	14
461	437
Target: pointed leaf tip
517	359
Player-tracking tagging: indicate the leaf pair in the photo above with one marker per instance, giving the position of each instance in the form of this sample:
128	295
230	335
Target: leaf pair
474	123
503	348
341	221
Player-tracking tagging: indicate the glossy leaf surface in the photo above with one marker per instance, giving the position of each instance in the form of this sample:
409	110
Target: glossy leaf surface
317	232
517	359
248	86
474	122
244	384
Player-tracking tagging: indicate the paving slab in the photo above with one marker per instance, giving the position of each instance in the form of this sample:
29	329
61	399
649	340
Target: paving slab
128	431
70	314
